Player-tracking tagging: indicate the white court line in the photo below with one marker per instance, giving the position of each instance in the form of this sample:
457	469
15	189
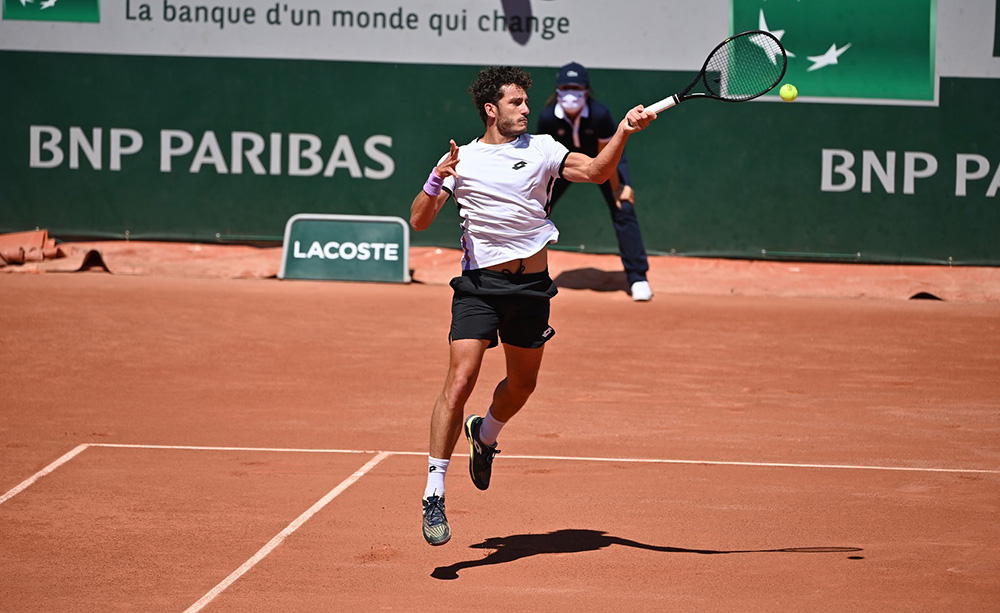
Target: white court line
35	477
69	456
755	464
271	449
579	459
292	527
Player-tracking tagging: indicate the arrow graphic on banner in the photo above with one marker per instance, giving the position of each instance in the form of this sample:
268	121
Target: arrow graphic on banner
762	25
827	59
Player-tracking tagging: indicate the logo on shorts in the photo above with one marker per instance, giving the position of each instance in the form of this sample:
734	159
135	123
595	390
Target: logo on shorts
548	332
520	165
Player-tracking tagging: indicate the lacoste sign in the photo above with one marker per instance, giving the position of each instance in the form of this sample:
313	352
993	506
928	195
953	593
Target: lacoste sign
346	248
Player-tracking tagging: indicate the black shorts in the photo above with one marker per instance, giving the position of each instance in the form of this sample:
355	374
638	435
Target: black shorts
487	302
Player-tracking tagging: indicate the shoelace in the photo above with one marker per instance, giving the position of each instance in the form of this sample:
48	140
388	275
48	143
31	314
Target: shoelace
434	511
487	451
491	451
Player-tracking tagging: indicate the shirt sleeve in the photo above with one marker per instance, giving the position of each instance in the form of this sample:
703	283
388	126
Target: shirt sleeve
555	154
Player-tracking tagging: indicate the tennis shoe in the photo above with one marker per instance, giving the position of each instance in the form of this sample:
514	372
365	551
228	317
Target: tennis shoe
480	455
641	291
436	529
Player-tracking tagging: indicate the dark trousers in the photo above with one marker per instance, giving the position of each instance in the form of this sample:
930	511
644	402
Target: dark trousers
630	246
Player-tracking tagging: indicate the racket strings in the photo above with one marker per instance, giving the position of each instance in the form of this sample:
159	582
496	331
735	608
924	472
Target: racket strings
745	67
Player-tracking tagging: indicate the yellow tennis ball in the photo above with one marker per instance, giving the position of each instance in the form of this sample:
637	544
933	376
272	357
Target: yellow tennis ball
788	92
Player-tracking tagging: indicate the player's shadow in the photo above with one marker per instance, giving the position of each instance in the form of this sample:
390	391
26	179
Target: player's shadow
593	279
518	546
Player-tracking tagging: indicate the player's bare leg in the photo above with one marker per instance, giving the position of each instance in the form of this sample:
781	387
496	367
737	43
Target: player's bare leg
509	396
522	376
466	359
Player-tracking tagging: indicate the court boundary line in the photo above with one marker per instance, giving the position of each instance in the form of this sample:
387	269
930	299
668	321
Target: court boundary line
379	457
84	446
66	457
17	489
278	539
570	458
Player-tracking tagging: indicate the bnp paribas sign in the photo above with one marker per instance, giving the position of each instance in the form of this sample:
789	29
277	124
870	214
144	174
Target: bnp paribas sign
851	50
85	11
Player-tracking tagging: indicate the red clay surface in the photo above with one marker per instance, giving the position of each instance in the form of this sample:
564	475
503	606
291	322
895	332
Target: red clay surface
613	489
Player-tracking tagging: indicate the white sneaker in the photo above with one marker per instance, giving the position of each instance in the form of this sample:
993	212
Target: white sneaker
641	292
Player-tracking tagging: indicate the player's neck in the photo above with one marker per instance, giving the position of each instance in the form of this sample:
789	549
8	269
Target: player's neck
494	137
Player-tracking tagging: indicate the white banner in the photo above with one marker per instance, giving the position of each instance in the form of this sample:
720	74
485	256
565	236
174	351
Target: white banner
628	34
636	34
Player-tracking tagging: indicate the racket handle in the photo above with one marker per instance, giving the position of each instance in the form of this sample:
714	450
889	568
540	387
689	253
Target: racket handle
664	104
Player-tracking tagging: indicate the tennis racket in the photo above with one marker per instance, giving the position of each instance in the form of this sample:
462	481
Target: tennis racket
740	68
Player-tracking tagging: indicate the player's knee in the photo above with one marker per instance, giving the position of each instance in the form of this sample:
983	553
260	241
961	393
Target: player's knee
459	388
521	387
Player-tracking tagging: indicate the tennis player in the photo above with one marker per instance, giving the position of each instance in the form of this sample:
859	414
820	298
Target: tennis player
502	182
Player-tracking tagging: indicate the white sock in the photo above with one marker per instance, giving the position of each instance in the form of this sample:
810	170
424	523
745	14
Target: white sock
436	469
490	429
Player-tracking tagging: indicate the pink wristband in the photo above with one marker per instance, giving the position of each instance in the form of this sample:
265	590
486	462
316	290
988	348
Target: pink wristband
433	184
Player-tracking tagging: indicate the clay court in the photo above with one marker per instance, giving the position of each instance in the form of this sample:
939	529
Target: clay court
760	437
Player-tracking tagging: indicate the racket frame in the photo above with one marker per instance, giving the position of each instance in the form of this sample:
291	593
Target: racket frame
676	99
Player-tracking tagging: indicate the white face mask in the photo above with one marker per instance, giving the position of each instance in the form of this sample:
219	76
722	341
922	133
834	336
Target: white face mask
572	100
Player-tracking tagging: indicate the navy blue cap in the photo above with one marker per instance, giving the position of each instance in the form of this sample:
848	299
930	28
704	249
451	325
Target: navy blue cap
574	74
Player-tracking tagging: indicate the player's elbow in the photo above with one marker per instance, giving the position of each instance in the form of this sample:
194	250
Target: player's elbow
418	223
599	175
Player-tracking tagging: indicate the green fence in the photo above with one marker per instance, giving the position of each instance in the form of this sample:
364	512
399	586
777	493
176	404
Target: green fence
228	149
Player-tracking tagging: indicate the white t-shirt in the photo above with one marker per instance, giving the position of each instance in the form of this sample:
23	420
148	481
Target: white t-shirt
503	193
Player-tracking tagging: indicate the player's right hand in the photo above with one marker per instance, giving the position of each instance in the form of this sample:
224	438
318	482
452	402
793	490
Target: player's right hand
447	166
637	119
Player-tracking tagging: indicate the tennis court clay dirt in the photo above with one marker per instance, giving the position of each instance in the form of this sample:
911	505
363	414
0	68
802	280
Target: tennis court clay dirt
759	437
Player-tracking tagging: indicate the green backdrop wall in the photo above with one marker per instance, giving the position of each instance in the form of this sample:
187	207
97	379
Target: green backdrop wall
711	178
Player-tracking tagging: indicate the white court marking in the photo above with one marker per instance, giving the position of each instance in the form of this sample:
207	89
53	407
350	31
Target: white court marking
573	458
382	455
80	448
277	540
35	477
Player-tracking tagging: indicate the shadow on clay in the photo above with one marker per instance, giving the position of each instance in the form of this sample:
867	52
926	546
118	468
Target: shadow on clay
518	546
592	279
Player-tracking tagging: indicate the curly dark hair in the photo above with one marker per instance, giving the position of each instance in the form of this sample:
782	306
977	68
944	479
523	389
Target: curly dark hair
488	84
